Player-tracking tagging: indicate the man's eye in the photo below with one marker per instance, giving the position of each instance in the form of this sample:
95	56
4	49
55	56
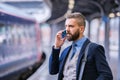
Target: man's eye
70	26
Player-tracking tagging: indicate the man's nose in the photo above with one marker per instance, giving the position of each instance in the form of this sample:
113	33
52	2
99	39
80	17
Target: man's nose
67	29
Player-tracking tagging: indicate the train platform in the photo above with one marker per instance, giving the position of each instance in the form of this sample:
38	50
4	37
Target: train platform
42	72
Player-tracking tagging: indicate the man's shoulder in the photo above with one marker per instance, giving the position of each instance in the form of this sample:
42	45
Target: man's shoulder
96	45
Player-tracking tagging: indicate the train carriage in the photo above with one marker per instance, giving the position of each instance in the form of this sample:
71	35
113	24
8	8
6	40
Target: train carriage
19	41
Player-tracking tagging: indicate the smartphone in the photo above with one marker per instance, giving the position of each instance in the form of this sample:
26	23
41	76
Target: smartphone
63	33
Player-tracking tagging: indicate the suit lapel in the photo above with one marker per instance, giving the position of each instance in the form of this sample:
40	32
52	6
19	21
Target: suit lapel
65	55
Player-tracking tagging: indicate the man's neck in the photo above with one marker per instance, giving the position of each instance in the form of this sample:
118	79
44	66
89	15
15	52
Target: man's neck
78	38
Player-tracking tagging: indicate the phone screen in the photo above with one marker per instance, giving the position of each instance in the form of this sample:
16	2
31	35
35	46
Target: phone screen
63	33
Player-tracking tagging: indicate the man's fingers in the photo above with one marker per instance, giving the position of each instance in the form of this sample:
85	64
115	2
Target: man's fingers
59	34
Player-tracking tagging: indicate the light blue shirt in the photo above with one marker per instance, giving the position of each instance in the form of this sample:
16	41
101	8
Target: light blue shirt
79	43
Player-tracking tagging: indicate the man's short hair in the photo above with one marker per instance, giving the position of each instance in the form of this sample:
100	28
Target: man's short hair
77	15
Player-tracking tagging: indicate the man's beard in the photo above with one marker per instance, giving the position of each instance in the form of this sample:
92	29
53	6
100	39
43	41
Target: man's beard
73	37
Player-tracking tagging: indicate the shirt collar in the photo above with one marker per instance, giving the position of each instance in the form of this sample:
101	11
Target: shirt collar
80	42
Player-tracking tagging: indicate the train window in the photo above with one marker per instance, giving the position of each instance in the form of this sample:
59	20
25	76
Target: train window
31	31
2	41
17	37
2	34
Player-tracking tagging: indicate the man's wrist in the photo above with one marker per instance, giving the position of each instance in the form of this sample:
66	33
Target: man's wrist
56	47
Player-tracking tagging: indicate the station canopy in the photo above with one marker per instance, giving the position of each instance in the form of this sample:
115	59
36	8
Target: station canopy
90	8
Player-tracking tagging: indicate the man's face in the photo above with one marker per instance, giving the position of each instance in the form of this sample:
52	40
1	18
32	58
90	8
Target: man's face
72	29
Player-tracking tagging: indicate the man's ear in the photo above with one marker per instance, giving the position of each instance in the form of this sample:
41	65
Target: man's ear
82	28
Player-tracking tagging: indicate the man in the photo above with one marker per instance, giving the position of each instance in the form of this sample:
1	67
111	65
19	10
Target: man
68	65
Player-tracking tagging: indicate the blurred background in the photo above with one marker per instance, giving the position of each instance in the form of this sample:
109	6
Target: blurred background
28	28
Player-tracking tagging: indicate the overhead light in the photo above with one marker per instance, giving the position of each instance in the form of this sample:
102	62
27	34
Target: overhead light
111	15
118	14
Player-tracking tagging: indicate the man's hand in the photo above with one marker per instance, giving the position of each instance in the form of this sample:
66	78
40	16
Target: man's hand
59	41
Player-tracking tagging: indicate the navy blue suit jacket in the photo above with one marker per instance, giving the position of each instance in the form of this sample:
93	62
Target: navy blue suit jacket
96	67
